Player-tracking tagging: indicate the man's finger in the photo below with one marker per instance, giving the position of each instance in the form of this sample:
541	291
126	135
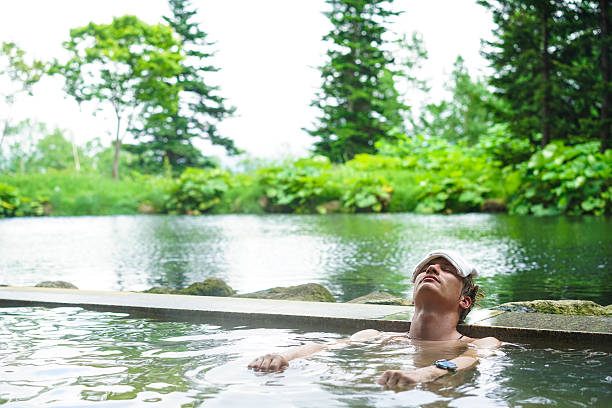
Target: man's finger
265	365
383	379
393	379
255	363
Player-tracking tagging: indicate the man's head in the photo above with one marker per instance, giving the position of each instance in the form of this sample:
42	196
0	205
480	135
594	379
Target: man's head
446	276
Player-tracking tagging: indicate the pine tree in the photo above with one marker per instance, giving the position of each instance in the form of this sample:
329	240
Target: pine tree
552	65
526	56
200	109
358	100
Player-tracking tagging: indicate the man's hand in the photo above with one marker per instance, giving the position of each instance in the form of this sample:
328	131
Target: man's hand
398	378
269	362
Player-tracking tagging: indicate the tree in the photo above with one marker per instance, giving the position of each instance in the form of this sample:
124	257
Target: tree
128	65
18	77
526	57
467	116
552	66
169	134
606	74
358	100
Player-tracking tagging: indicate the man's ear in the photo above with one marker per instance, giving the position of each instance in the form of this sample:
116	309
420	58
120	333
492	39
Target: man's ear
465	302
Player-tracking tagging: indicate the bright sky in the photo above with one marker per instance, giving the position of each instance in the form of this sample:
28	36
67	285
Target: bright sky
268	51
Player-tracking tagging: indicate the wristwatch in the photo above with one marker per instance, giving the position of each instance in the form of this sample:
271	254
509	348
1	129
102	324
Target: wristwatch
446	365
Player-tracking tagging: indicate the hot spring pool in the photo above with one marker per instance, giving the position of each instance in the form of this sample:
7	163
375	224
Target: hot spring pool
74	357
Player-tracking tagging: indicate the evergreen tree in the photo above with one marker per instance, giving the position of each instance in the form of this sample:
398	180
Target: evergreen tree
467	116
552	65
169	134
358	100
526	56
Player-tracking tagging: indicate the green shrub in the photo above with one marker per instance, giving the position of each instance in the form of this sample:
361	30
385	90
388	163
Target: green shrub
366	193
196	191
446	177
13	204
564	179
299	187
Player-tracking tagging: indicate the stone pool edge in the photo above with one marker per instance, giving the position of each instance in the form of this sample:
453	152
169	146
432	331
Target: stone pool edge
337	317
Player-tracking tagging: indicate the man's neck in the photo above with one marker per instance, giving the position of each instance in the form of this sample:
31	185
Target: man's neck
434	325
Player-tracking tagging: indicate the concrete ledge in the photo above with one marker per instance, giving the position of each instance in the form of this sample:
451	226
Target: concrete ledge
583	331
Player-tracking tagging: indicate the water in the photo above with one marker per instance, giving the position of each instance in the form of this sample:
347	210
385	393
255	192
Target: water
520	258
73	357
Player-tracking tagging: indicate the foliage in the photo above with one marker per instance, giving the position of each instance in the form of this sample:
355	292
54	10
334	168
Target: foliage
563	179
168	133
552	68
18	77
299	187
69	193
127	64
449	178
369	193
197	191
13	204
358	100
467	116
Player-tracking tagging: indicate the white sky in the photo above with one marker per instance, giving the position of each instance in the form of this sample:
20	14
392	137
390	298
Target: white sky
268	51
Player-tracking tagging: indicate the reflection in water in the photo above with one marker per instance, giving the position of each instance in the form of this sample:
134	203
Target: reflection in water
72	357
520	258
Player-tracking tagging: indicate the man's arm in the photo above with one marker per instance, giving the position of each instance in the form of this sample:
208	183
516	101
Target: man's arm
399	378
278	361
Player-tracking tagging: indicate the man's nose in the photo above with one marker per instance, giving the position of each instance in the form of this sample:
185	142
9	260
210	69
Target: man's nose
433	269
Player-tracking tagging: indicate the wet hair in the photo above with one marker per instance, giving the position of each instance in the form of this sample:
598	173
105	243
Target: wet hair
473	291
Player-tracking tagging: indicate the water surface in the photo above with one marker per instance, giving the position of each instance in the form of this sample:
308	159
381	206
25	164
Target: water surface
520	258
73	357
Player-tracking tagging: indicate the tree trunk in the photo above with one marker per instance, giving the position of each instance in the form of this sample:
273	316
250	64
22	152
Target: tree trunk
545	83
605	75
117	147
75	156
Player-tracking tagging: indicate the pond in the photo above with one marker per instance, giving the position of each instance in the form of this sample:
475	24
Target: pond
520	258
73	357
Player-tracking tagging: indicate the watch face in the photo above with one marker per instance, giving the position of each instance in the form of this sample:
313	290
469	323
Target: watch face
446	365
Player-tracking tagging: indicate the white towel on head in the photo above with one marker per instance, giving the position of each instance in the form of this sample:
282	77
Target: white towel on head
464	268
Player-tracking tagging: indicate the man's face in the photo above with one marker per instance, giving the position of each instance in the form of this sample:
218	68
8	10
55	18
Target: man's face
438	279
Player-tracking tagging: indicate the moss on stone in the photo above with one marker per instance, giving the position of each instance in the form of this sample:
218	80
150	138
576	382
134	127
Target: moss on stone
381	298
163	290
209	287
563	307
56	284
312	292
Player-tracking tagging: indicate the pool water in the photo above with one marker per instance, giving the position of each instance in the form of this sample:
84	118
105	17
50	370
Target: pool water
74	357
520	258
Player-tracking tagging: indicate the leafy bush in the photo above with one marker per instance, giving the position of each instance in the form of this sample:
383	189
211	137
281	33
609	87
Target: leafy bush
366	193
564	179
299	187
197	191
448	177
12	204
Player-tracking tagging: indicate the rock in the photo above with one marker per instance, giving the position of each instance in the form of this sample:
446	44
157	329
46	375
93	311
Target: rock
329	207
209	287
163	290
263	201
493	205
56	284
47	209
564	307
312	292
381	298
146	208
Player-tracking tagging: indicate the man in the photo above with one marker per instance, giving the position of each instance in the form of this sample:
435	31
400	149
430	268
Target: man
444	293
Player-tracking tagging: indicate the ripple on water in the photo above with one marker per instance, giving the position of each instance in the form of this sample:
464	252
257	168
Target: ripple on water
71	356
